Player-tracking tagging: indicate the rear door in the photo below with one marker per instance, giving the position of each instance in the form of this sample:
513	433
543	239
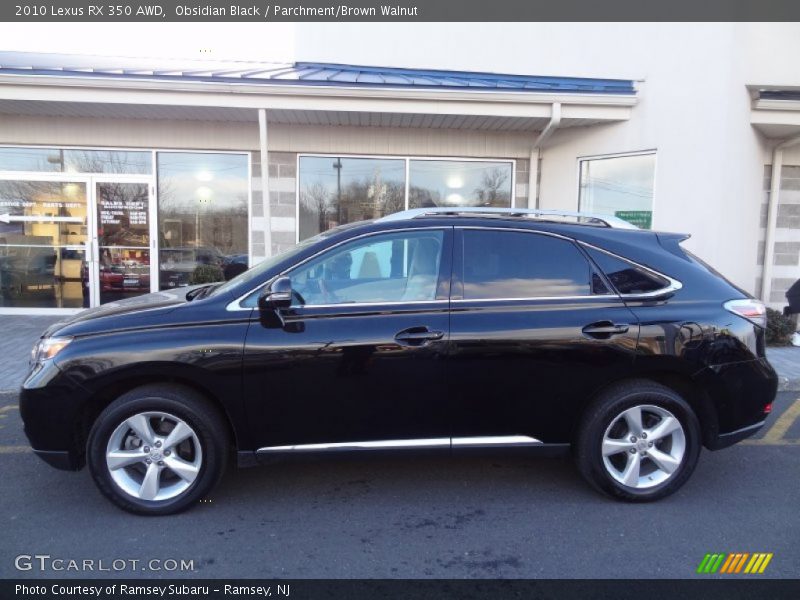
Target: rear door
535	330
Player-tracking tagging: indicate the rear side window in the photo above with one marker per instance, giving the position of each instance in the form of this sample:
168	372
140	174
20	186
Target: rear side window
626	277
511	264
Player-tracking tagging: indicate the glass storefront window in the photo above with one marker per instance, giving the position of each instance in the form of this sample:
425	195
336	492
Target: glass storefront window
459	183
620	186
43	231
58	160
123	238
202	216
337	190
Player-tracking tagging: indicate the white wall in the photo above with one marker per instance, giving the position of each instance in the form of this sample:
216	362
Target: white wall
217	41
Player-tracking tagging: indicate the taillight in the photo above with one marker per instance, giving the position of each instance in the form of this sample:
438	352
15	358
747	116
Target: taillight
752	310
768	408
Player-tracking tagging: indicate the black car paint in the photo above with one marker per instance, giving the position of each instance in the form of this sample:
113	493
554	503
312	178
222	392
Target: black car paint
337	374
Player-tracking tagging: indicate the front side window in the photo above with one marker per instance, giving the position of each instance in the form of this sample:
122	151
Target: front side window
397	267
620	186
510	264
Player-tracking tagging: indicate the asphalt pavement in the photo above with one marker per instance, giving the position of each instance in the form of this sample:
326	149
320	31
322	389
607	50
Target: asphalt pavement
403	517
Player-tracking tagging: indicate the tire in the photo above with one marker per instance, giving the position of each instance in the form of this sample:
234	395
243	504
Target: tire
176	476
603	447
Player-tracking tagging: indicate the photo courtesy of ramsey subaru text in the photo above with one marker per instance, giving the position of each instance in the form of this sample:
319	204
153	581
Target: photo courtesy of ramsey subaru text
434	329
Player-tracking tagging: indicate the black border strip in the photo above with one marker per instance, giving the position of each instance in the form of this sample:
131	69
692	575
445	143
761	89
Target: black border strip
400	10
733	588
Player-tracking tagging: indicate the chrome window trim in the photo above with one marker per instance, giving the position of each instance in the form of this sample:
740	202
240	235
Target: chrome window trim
442	442
359	304
517	229
673	286
531	298
235	304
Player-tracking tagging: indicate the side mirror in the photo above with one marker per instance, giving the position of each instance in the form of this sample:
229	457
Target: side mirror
276	296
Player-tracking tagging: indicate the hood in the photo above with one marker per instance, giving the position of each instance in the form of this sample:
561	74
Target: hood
121	314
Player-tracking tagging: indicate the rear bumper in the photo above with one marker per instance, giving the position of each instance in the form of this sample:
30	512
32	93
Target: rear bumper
740	393
723	440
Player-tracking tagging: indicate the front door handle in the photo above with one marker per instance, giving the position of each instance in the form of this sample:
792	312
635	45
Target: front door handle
605	329
417	336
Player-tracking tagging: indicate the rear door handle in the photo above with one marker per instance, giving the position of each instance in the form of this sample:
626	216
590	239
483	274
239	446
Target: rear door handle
417	336
605	329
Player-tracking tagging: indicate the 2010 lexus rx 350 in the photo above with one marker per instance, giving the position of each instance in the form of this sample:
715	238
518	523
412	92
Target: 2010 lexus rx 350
440	329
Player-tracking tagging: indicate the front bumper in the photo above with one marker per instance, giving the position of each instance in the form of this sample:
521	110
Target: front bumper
61	459
52	406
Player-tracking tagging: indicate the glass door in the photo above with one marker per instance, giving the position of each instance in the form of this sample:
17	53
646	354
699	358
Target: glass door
44	230
121	262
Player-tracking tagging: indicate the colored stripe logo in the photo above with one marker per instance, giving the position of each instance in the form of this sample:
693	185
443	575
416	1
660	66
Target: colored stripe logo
735	562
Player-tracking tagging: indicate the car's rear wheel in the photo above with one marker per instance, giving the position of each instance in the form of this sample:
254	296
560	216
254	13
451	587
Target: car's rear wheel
157	449
639	441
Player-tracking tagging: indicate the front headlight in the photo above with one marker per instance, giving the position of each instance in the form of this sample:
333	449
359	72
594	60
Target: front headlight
47	348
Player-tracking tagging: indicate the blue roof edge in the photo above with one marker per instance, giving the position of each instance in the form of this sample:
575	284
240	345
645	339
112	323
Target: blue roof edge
626	84
305	73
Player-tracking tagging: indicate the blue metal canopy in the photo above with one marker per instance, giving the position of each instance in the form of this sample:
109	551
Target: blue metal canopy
299	73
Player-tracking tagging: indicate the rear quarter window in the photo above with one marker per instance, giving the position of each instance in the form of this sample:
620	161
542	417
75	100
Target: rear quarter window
626	277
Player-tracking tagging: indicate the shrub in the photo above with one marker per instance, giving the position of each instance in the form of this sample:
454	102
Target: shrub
779	328
206	274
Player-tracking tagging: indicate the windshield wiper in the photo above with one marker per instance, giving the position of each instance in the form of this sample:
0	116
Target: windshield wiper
200	292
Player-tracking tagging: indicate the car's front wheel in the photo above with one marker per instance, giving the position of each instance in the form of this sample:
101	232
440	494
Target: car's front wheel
639	441
157	449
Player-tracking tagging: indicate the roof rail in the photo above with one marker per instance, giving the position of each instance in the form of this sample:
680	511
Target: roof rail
588	218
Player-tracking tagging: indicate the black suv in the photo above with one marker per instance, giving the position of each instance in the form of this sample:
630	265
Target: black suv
431	329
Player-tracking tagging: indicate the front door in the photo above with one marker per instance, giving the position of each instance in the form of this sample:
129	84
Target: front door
122	259
360	354
534	333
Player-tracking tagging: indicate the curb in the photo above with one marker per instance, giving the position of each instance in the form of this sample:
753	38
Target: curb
788	385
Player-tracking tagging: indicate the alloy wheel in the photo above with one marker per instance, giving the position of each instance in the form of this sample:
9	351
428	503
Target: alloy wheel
643	446
154	456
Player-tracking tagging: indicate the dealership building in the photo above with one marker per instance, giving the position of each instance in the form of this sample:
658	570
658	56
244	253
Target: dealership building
121	176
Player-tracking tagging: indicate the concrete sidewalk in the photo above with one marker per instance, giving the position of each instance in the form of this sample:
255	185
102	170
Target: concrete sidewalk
786	361
18	334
